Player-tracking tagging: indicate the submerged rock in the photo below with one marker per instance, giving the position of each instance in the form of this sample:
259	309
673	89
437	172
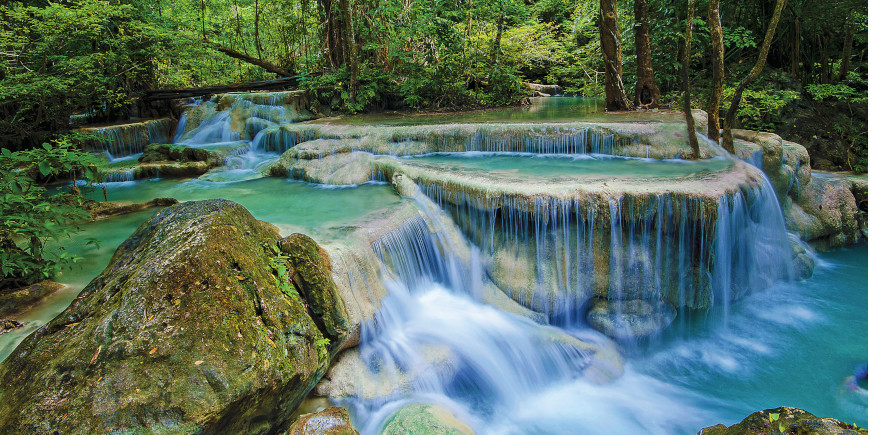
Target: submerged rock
629	320
784	420
99	209
194	326
7	325
330	421
424	419
16	301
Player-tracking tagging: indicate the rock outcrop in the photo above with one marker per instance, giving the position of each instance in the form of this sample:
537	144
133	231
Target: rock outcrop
196	326
784	420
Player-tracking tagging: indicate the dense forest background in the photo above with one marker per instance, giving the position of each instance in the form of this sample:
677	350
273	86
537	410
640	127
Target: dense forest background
92	57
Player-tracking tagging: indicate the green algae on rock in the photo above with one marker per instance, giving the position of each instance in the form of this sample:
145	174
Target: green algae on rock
420	419
185	331
784	420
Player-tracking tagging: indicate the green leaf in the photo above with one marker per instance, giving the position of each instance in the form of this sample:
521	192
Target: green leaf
46	146
7	153
45	168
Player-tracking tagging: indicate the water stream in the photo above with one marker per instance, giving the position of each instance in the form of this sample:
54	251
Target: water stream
761	341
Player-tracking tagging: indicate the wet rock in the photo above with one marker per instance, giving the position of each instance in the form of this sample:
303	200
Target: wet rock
330	421
539	90
16	301
177	153
632	319
801	257
424	419
784	420
826	215
338	169
313	276
7	325
193	327
106	209
350	375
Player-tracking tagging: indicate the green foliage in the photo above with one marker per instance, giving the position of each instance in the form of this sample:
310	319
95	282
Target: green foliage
278	263
32	215
839	92
85	56
759	109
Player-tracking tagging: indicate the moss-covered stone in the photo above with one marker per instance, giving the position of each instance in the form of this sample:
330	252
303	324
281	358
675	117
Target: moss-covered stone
177	153
313	275
784	420
186	331
420	419
330	421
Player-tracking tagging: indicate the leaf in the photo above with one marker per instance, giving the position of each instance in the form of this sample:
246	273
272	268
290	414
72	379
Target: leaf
198	362
774	416
45	168
152	351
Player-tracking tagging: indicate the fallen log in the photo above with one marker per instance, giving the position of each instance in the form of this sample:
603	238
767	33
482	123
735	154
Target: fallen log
265	85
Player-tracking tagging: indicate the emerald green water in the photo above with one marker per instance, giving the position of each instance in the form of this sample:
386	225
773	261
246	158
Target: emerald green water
550	166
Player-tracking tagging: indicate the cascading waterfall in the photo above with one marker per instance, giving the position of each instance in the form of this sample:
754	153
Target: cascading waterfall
130	139
683	249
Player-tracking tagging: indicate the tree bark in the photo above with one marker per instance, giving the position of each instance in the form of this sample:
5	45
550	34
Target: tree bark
257	29
847	52
646	92
727	138
614	89
713	19
351	54
687	97
249	59
496	45
796	48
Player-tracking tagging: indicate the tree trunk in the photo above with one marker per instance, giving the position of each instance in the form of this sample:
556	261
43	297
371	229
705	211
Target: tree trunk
249	59
687	97
614	89
496	45
351	55
727	138
796	48
847	53
713	18
646	92
257	29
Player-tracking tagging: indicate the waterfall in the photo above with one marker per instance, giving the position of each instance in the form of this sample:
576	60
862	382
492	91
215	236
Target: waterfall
687	250
129	139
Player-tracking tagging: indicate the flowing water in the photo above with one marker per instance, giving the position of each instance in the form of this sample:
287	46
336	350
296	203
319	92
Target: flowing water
760	340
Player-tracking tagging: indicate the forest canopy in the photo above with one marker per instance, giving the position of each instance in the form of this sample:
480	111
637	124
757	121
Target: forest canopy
93	57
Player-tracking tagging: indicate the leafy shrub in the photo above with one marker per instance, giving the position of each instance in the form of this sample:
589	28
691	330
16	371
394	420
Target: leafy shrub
758	107
33	215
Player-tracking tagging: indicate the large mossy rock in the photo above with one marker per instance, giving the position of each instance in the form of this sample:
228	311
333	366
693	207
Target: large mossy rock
784	420
192	328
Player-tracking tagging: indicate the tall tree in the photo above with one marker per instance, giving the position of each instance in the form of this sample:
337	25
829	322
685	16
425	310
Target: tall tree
646	92
715	23
687	97
727	138
611	50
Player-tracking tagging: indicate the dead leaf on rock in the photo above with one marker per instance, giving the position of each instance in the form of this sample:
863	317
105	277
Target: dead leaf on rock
152	351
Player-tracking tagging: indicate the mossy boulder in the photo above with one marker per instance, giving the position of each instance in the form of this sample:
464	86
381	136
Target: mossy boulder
190	329
784	420
420	419
175	153
330	421
313	276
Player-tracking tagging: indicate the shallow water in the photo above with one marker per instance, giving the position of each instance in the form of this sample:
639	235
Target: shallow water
556	165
